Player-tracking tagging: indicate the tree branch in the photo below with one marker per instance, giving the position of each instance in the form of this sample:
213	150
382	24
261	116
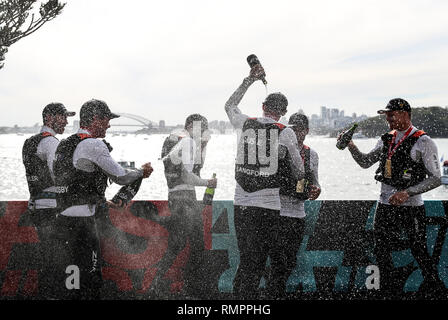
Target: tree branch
14	14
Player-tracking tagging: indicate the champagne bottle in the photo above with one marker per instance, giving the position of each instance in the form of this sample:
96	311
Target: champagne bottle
252	60
208	194
127	192
346	137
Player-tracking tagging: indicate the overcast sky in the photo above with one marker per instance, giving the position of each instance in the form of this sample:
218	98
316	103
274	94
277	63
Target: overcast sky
168	59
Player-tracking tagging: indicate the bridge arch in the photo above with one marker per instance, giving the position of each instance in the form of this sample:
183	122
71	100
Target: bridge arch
145	122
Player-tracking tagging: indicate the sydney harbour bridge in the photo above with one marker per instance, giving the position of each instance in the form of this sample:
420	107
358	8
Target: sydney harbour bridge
134	123
142	122
128	122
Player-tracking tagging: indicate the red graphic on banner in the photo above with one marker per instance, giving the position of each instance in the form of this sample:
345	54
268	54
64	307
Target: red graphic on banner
120	259
155	234
11	233
157	243
11	283
30	286
207	215
119	277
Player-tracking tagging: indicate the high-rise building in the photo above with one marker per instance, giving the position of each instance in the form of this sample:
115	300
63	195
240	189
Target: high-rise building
334	113
323	112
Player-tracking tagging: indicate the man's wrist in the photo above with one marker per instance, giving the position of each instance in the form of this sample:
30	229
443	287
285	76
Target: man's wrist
141	172
351	147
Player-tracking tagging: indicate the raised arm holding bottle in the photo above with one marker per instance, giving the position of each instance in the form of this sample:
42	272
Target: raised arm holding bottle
257	200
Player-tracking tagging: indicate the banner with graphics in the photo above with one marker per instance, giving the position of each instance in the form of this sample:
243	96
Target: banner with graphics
335	256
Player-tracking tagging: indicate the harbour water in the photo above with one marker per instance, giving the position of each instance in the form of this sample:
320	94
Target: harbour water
340	177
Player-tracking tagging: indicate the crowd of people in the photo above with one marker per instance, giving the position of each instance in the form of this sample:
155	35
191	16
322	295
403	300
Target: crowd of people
275	174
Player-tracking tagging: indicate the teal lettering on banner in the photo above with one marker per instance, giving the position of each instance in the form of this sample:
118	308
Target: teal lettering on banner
435	232
226	241
348	277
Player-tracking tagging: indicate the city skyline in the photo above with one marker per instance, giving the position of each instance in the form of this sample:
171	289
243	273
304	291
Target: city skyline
155	122
331	118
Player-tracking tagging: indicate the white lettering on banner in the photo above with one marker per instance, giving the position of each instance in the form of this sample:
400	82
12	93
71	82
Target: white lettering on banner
72	281
373	280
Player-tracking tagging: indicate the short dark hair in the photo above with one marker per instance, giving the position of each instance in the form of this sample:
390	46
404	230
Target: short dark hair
299	120
276	102
196	117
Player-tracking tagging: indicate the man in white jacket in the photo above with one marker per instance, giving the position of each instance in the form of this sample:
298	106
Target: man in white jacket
293	193
82	167
38	155
183	155
257	202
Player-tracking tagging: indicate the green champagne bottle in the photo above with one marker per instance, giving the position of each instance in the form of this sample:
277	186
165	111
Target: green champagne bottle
208	194
346	137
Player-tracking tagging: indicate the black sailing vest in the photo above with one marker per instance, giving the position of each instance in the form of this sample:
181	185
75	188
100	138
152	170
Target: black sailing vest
80	187
289	183
37	173
250	173
173	172
405	171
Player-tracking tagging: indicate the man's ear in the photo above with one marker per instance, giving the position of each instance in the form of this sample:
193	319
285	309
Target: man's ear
48	119
95	118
